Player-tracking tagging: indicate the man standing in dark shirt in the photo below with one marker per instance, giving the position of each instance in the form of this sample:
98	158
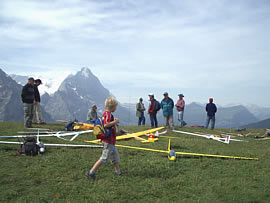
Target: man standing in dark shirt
37	113
28	99
211	110
152	111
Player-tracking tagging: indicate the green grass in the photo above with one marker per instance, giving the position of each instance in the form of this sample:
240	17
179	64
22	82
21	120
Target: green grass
58	174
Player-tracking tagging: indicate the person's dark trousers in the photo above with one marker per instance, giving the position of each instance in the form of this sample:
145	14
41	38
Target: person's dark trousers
28	114
153	119
141	119
212	119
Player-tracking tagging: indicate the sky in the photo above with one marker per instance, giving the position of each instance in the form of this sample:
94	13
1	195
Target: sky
210	48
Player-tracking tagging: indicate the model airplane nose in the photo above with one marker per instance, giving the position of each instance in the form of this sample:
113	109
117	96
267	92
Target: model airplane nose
172	155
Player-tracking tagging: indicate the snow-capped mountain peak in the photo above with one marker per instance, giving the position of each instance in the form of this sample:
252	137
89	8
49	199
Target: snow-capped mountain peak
85	72
50	82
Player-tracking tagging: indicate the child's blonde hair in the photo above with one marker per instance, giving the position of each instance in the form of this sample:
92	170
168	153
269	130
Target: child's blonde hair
111	102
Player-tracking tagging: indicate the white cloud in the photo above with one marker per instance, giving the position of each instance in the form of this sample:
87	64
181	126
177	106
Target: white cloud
133	44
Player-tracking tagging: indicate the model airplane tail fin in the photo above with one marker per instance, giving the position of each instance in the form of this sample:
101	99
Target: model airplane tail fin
169	144
227	140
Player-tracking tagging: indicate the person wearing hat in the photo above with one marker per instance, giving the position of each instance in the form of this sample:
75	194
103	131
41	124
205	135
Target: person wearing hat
152	110
167	105
92	114
211	110
140	112
28	97
37	118
180	106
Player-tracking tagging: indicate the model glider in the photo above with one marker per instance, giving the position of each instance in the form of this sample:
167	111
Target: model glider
59	135
157	134
56	145
172	154
223	139
136	136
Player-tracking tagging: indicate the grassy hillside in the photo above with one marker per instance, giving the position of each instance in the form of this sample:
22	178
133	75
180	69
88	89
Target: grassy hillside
58	174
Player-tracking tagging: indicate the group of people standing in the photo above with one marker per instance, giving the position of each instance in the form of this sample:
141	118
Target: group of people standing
167	105
31	102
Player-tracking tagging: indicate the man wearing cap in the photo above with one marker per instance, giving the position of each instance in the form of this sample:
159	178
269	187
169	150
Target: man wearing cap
180	106
140	112
36	111
92	114
152	110
167	105
28	98
211	110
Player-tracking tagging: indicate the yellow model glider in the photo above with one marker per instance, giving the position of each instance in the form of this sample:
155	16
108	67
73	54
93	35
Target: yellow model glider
136	136
172	154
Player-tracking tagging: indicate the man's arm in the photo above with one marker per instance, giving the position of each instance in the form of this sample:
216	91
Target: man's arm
161	104
138	107
23	92
88	116
143	108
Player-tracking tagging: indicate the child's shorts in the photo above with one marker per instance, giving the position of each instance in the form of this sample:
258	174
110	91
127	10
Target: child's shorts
109	152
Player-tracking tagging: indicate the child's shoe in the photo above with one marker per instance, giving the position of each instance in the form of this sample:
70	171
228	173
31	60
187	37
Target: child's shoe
90	176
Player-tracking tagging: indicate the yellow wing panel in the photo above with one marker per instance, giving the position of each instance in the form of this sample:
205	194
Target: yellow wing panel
147	141
185	153
93	141
132	135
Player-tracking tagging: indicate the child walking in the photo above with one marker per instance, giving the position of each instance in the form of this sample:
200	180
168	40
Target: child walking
109	151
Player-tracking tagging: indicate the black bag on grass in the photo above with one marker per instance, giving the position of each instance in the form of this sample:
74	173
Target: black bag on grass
29	147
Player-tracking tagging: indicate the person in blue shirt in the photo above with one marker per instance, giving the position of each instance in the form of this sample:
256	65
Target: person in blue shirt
211	110
167	105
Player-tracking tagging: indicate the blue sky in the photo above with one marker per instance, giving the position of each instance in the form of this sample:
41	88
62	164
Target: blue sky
210	48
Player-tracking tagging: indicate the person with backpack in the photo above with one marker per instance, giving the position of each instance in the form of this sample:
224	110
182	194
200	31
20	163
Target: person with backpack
180	106
140	112
108	139
28	99
153	108
211	110
167	105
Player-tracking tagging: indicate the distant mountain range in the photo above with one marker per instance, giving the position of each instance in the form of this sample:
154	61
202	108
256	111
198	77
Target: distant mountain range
72	100
261	124
78	92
